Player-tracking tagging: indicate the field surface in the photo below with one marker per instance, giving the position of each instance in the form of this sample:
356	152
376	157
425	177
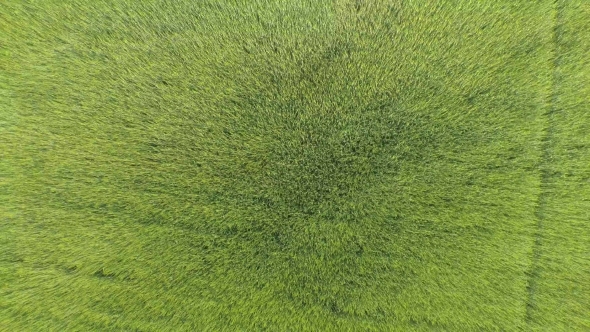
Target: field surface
266	165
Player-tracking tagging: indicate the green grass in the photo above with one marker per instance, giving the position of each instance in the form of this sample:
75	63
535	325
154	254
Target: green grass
248	165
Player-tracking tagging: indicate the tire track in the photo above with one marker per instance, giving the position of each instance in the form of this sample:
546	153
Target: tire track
545	163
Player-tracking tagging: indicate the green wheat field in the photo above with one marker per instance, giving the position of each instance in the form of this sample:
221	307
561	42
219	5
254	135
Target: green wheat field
294	165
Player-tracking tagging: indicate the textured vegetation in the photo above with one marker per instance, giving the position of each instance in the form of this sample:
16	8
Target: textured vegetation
294	165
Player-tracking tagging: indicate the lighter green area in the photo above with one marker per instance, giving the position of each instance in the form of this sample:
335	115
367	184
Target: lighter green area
266	165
